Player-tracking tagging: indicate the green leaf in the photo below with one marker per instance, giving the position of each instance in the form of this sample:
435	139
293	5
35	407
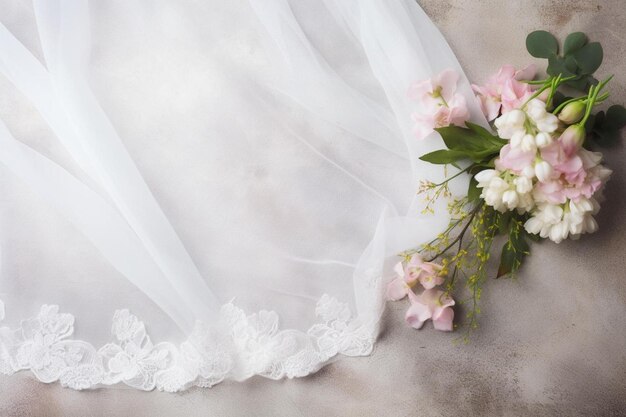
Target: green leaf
580	84
605	127
473	192
444	156
485	134
475	145
507	260
574	42
615	117
589	57
570	64
606	138
556	66
503	225
542	44
514	250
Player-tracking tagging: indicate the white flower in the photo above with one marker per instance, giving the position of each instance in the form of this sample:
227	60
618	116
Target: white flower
510	123
525	141
543	171
558	222
543	139
510	199
523	184
589	224
493	193
528	172
544	121
486	175
505	191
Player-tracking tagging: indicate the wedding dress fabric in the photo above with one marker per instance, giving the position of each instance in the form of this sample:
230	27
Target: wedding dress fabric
232	177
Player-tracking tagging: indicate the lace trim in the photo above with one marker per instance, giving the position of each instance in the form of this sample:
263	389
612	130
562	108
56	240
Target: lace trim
238	347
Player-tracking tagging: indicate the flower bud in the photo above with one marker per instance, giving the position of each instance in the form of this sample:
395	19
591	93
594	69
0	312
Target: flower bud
543	171
523	184
516	117
572	112
528	143
589	225
486	175
510	198
516	138
572	139
528	171
543	139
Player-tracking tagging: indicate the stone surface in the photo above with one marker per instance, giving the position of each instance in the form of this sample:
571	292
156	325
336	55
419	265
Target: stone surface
551	342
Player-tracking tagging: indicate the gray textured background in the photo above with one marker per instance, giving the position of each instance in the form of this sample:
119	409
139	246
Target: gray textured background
551	342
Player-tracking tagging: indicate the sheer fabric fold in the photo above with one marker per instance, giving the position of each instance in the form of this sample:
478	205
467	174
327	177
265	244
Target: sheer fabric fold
239	174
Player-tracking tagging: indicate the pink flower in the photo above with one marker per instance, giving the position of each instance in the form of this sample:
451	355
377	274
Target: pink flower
439	106
570	166
431	304
399	287
503	91
577	176
427	273
514	159
572	139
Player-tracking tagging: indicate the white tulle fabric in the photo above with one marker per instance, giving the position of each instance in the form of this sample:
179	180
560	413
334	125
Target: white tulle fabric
212	166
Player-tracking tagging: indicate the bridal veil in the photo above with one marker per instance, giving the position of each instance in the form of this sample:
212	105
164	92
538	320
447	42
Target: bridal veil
227	181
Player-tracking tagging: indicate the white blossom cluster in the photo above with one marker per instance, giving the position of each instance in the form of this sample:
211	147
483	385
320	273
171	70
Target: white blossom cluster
544	171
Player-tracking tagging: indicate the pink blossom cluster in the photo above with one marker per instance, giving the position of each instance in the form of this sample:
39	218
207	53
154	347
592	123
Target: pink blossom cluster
431	303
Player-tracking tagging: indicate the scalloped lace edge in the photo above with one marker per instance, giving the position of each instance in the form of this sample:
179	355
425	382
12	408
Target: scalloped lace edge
237	347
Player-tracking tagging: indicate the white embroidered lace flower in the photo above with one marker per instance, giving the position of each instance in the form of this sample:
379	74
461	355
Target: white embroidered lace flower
237	347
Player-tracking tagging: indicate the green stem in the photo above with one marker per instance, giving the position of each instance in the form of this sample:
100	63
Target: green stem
538	82
550	83
453	177
460	235
554	85
565	103
593	93
535	95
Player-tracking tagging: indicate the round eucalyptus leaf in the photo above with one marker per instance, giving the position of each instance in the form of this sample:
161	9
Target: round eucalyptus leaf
570	64
589	57
557	65
542	44
574	42
615	117
580	84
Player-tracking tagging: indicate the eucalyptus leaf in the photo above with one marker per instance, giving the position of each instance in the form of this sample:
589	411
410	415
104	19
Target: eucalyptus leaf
574	42
570	64
542	44
556	66
605	127
615	117
589	57
580	84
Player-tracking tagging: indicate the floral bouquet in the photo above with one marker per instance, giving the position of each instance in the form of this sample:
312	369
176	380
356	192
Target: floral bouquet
537	177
